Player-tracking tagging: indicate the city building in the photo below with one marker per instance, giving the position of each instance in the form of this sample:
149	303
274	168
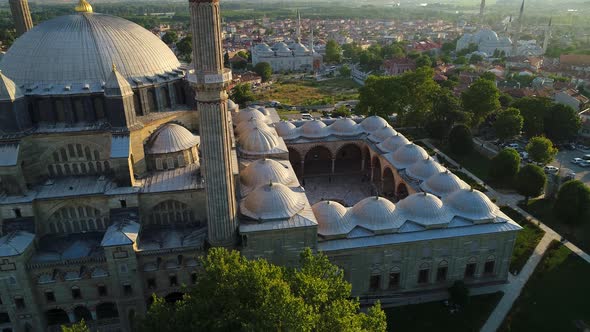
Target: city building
119	166
487	41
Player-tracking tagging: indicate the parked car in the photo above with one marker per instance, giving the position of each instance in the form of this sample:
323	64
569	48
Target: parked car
550	169
524	155
570	146
586	157
584	163
577	161
513	146
583	147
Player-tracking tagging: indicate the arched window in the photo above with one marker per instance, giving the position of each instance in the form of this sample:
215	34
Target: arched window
171	212
74	219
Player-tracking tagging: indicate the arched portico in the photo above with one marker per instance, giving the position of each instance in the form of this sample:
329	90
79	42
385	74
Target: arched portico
402	191
318	161
388	182
349	158
296	161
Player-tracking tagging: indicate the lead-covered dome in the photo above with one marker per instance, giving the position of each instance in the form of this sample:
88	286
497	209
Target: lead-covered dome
251	113
314	129
373	123
264	171
374	213
443	183
393	143
247	126
424	169
171	138
471	204
424	209
344	127
383	134
82	48
285	129
259	140
407	155
272	201
331	218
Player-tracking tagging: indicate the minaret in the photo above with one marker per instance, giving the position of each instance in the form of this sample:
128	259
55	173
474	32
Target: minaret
210	81
482	8
298	26
547	36
21	14
521	18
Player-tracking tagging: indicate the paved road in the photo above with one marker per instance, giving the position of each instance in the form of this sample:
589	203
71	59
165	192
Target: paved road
564	158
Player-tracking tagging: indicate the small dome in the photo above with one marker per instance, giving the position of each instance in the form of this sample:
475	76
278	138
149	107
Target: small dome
251	113
383	134
443	183
344	127
264	171
393	143
471	204
258	140
272	201
424	169
171	138
407	155
285	129
373	123
424	209
263	110
314	129
247	126
331	218
231	105
373	213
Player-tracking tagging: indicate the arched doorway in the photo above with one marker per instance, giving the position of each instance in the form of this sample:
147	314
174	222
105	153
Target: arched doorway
106	310
348	159
376	169
82	313
174	297
295	160
56	317
388	183
318	161
402	191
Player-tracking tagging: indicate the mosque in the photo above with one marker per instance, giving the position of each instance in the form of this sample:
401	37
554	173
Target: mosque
120	167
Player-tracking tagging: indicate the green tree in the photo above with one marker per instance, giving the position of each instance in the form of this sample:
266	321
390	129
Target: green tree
264	70
345	71
541	150
573	203
504	166
461	60
185	47
236	294
342	111
333	52
423	61
171	37
534	111
506	100
446	112
352	51
508	123
242	94
562	122
475	58
461	140
530	181
488	75
481	99
77	327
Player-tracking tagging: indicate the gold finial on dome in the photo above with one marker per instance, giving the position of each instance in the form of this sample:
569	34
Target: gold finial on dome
83	7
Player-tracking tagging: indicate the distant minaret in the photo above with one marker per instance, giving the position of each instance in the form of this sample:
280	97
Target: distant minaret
482	8
547	36
298	26
21	14
210	82
521	17
311	41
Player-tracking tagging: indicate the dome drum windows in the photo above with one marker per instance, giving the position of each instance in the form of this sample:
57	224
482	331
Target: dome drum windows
76	159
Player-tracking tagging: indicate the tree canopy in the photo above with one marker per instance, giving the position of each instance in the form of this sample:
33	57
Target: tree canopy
78	327
481	99
446	112
530	181
333	52
410	96
508	123
264	70
242	94
170	37
505	165
541	150
461	140
185	47
561	122
573	202
236	294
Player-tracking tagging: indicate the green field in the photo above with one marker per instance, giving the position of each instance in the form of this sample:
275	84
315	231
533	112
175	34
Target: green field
435	316
542	209
526	240
556	296
309	93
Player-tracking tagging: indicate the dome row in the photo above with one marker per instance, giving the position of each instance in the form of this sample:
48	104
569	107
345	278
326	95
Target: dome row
378	129
380	215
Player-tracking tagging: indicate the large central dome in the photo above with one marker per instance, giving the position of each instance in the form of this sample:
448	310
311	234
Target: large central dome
82	48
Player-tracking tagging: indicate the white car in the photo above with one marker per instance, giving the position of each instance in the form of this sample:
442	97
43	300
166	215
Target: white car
577	161
550	169
584	163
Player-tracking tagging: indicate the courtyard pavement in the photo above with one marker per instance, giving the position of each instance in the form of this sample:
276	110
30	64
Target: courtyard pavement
346	189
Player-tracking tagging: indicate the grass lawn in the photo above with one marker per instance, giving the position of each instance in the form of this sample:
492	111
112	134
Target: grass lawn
526	240
307	93
474	162
542	209
556	296
434	316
